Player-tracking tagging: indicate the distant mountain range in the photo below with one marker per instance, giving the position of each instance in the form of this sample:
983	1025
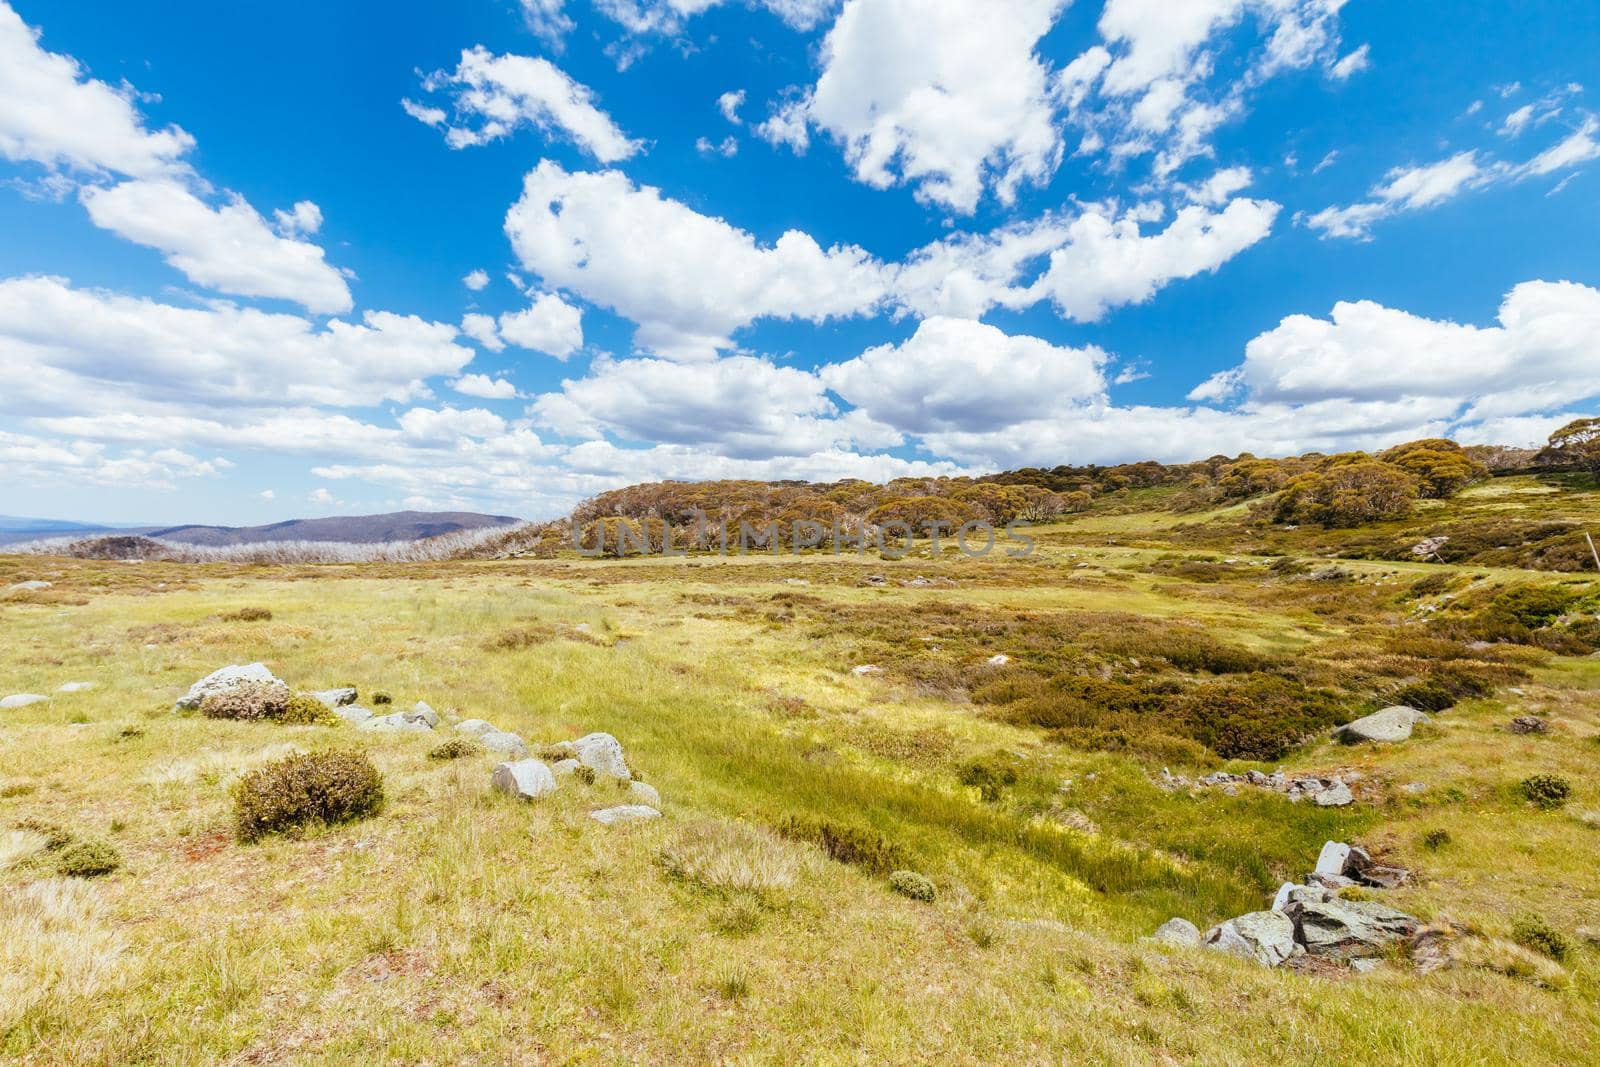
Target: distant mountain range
350	529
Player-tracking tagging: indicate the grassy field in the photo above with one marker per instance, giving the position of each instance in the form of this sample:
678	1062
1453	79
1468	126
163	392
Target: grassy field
459	926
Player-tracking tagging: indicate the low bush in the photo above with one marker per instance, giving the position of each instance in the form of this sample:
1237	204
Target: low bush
989	774
1536	935
916	886
1426	695
1436	839
87	858
306	789
1260	717
381	697
247	615
303	710
855	845
455	748
247	701
1545	791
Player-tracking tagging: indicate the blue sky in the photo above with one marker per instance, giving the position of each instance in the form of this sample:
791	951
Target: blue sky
265	261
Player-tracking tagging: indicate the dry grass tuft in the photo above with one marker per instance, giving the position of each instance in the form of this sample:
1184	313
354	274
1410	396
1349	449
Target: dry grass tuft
734	857
54	945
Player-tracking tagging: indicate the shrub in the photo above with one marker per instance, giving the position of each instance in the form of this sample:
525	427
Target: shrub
248	615
380	697
1436	839
855	845
1536	935
1546	791
1260	717
247	701
989	774
1432	584
1426	695
1346	494
585	774
306	789
87	858
1535	606
913	885
303	710
456	748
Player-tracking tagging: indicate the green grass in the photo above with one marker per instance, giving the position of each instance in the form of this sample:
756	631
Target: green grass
458	926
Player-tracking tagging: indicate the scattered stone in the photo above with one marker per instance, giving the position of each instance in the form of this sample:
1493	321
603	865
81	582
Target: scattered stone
1346	929
1282	899
527	779
795	581
875	579
1415	787
1381	877
1336	795
420	712
336	698
1329	574
1180	932
28	587
999	660
504	743
220	681
1366	965
398	722
75	687
601	752
564	768
645	793
1428	547
475	727
21	700
1330	881
1591	934
1389	725
1266	937
1529	724
865	669
1332	859
624	813
352	714
1430	948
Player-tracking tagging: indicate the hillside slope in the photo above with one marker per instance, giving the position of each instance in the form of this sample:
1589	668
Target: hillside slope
347	529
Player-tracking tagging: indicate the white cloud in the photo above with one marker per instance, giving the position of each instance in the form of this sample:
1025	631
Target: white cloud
1405	189
1517	121
729	104
30	460
304	219
547	19
690	281
484	330
956	374
320	495
1219	188
667	17
476	280
267	494
82	350
786	126
550	325
944	95
1093	263
494	95
52	113
484	387
1352	64
230	248
728	148
1576	148
1544	353
1165	77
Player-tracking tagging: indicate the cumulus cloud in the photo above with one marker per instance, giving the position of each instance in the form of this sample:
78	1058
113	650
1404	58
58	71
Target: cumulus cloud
944	95
729	104
1092	262
668	17
547	19
30	460
956	374
484	387
52	113
1545	352
689	280
74	350
476	280
492	96
550	325
1352	64
229	248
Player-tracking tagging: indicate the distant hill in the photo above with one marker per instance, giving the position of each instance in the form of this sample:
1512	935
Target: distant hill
15	529
349	529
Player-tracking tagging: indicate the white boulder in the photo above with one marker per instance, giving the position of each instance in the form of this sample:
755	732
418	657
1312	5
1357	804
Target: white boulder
335	698
624	813
475	727
352	714
1389	725
220	681
421	711
644	793
505	743
75	687
1180	932
21	700
398	722
527	779
602	752
1266	937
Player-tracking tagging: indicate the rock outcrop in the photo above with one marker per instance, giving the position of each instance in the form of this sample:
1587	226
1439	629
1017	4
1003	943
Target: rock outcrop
1389	725
1266	937
220	681
526	779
